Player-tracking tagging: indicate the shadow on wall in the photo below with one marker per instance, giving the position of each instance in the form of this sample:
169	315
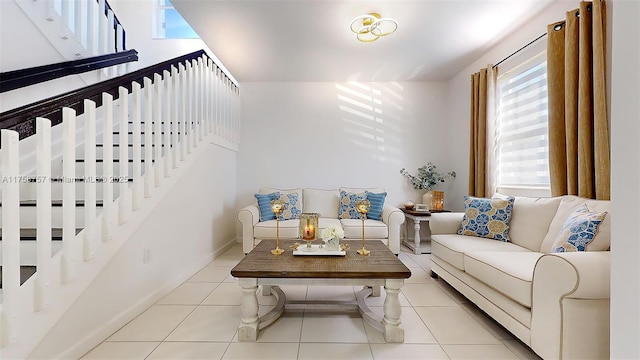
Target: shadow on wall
372	117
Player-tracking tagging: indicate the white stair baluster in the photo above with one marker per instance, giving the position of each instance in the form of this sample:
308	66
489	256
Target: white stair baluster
124	205
168	121
148	139
102	27
175	85
91	27
43	213
88	248
183	104
111	39
158	169
70	247
107	166
200	98
137	139
10	237
189	105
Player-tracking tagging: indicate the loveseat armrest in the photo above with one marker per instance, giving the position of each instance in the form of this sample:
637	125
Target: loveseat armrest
570	305
248	217
445	223
394	218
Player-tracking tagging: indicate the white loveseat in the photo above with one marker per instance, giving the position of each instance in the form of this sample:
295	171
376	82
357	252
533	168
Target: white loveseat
556	303
326	203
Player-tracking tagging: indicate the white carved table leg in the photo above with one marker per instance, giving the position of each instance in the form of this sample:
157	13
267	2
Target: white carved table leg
248	329
416	236
393	332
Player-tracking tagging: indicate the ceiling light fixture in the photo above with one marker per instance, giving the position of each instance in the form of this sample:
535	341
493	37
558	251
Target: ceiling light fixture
372	26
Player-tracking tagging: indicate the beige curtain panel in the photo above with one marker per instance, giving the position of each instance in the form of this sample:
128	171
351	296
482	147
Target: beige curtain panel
578	126
481	89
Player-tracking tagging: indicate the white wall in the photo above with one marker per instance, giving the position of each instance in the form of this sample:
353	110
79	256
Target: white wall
625	179
328	135
192	224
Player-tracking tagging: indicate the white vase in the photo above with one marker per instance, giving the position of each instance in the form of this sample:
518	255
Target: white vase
333	244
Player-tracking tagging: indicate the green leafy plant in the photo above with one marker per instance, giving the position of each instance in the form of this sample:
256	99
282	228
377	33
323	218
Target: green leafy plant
428	177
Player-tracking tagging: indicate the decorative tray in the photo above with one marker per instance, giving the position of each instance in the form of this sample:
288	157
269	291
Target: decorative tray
316	250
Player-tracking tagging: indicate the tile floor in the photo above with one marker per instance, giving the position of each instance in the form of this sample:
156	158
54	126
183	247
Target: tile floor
199	320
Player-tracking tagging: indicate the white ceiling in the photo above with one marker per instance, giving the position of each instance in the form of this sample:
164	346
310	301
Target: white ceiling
305	40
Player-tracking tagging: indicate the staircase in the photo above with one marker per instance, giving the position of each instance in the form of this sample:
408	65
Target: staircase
117	148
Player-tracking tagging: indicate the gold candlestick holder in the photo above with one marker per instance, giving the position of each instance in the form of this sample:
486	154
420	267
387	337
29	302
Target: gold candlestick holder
363	208
277	206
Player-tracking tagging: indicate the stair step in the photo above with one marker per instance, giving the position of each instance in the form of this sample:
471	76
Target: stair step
26	271
29	234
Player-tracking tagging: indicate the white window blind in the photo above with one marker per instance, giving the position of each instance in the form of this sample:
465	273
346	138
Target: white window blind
522	140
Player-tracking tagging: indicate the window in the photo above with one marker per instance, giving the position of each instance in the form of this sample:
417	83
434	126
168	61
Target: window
522	139
169	24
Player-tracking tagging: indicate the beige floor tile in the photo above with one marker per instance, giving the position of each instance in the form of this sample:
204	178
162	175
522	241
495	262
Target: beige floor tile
328	327
208	323
407	351
169	350
286	329
224	294
154	324
521	350
415	331
478	352
453	325
213	274
188	294
226	260
455	295
312	351
486	321
419	276
118	350
427	295
259	351
337	293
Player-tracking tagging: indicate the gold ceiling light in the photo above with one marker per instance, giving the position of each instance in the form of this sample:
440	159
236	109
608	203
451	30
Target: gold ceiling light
372	26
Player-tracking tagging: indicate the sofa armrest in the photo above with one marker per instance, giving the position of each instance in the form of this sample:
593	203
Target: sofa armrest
393	217
570	305
248	217
445	223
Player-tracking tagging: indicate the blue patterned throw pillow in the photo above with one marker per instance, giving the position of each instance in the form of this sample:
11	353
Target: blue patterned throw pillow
264	205
487	218
292	205
579	230
348	201
377	203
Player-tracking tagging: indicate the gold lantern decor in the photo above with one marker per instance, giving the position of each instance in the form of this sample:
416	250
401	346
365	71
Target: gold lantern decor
277	206
309	227
363	208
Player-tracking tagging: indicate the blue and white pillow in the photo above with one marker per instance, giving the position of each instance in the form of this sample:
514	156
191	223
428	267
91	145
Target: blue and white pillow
377	203
348	201
487	218
264	205
292	205
578	231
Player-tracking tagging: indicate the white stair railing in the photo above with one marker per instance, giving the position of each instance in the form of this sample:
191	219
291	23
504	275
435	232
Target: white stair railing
186	103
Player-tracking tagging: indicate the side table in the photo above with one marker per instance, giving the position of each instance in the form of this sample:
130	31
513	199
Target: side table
417	217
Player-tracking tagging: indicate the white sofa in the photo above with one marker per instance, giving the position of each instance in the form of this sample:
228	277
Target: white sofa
326	203
556	303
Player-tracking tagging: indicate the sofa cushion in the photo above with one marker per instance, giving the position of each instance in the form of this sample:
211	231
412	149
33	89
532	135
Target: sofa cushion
324	202
264	206
452	248
292	199
377	203
568	205
579	231
360	190
510	273
324	223
530	220
267	229
348	202
487	218
373	229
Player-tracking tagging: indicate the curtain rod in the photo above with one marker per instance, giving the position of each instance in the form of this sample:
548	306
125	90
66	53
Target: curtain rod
522	48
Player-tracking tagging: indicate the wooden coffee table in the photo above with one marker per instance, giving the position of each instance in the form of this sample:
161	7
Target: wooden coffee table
381	268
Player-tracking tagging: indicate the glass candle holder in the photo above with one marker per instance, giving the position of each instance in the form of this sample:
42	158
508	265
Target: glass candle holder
309	227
